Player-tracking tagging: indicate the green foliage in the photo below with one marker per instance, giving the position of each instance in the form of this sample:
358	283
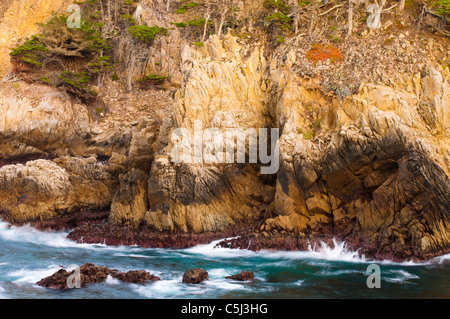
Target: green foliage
179	24
309	135
45	79
152	80
199	44
72	42
303	3
186	6
153	77
29	46
128	17
280	39
72	58
30	60
282	19
442	7
336	39
197	22
280	5
28	51
145	33
100	64
75	80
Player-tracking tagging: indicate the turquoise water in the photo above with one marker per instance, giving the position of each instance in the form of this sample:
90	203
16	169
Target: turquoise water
27	255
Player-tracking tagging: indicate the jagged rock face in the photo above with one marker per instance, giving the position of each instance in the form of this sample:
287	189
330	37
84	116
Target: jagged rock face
20	20
374	173
193	199
221	89
380	195
163	56
371	168
40	124
44	189
222	86
379	180
130	201
48	124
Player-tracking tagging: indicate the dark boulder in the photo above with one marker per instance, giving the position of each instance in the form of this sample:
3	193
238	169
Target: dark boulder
135	276
243	276
195	276
90	273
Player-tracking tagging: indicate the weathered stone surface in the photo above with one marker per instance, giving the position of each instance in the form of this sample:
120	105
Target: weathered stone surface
44	123
90	274
369	166
188	198
243	276
374	173
216	91
129	204
43	189
135	276
195	276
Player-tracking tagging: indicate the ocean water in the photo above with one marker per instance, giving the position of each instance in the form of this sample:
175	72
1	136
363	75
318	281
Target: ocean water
28	255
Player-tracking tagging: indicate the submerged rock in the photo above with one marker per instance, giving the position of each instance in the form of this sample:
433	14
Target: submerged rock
195	276
90	273
243	276
135	276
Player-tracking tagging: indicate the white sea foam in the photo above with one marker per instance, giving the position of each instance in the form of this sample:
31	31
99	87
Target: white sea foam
400	276
298	283
331	273
210	250
225	284
221	272
322	252
112	281
442	259
57	239
337	252
134	256
29	234
167	289
2	295
32	276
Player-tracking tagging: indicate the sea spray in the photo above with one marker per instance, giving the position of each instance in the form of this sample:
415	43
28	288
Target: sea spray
27	255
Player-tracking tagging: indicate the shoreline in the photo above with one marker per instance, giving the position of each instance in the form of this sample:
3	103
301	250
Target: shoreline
231	241
93	228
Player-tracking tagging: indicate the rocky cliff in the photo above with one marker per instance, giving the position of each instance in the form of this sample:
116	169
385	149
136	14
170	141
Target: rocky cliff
363	133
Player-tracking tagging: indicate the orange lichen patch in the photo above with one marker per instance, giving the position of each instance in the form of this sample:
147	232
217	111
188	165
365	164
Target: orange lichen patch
320	52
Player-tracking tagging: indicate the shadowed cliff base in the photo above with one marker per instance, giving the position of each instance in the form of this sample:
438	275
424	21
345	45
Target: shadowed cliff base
66	221
117	236
240	238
